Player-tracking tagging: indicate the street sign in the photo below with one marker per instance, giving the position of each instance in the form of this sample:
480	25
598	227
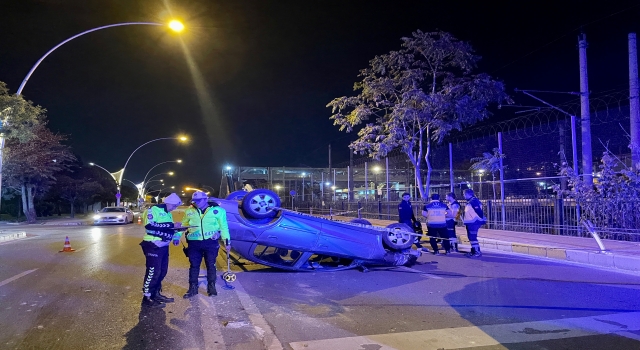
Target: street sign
118	195
293	193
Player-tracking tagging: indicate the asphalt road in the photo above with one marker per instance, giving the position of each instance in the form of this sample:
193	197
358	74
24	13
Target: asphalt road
90	299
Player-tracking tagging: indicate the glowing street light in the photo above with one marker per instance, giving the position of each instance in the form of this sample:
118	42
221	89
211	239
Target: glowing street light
176	26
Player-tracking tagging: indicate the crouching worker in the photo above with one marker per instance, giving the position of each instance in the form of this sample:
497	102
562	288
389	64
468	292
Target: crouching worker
159	230
209	223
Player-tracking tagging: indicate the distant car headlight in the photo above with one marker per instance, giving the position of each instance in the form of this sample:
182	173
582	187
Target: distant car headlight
96	217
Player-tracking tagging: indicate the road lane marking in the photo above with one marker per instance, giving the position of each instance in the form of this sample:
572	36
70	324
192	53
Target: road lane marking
269	339
211	327
16	277
622	324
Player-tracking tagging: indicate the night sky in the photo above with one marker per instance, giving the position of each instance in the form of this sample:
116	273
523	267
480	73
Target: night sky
248	81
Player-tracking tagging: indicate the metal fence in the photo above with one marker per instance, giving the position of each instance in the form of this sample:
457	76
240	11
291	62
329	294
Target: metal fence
555	216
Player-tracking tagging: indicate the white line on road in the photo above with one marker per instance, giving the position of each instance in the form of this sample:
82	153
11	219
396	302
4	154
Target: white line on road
622	324
211	327
16	277
269	339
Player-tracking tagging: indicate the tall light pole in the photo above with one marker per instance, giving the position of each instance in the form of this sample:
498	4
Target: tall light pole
179	138
114	176
174	25
179	161
138	187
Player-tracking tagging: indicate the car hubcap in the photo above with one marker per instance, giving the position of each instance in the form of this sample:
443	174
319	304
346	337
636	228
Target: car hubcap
262	203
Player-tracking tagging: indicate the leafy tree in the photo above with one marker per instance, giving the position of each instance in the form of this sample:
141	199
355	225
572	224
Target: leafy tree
81	191
18	116
417	95
489	162
31	166
612	201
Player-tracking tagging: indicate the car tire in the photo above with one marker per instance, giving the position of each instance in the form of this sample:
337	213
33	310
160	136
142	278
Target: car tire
260	204
236	195
399	238
360	221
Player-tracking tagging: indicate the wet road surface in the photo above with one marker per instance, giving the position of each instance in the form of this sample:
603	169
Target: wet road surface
90	299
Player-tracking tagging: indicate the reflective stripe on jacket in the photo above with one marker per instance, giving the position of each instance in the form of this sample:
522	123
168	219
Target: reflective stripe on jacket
473	212
211	224
158	224
436	214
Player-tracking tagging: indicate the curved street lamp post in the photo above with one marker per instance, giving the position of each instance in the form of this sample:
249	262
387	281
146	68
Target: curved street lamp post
174	25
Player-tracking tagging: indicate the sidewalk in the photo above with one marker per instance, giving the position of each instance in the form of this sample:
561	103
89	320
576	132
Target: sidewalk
618	255
53	220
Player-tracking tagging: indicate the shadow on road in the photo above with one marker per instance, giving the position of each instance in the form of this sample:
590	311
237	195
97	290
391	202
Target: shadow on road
152	332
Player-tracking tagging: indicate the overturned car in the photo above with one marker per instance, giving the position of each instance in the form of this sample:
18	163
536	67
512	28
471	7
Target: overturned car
266	234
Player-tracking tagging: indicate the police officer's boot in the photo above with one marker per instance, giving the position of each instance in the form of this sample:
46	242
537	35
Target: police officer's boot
147	302
211	288
161	298
193	291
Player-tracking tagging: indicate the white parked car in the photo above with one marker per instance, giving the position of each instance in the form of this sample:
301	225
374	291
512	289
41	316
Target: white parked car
113	215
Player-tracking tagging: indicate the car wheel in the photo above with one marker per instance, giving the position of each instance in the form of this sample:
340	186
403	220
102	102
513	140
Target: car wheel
399	236
360	221
237	195
260	204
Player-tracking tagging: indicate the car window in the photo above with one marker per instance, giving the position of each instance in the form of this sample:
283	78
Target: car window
276	255
112	210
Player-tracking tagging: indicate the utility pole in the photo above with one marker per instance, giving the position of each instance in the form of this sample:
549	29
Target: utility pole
634	104
585	116
350	176
330	160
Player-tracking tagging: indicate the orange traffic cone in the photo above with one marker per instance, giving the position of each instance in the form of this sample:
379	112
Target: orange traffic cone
67	246
139	220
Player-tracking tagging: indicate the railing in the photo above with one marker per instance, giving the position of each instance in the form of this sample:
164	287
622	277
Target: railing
555	216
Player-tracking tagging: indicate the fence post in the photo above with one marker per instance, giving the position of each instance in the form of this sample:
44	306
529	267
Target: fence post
559	216
490	209
379	210
359	208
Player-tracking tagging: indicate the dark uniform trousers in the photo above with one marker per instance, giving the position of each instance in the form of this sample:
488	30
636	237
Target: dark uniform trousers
207	249
157	263
438	232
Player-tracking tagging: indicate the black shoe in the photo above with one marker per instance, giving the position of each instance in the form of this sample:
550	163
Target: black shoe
211	289
151	303
193	291
163	299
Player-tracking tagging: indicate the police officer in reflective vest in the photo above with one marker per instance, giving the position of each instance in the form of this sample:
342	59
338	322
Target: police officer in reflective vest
211	224
436	212
473	220
159	230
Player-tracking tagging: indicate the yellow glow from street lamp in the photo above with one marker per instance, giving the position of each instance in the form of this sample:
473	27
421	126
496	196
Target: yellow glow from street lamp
176	26
170	173
179	160
183	138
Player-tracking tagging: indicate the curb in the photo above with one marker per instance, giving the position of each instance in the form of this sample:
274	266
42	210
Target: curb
12	236
76	223
596	258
